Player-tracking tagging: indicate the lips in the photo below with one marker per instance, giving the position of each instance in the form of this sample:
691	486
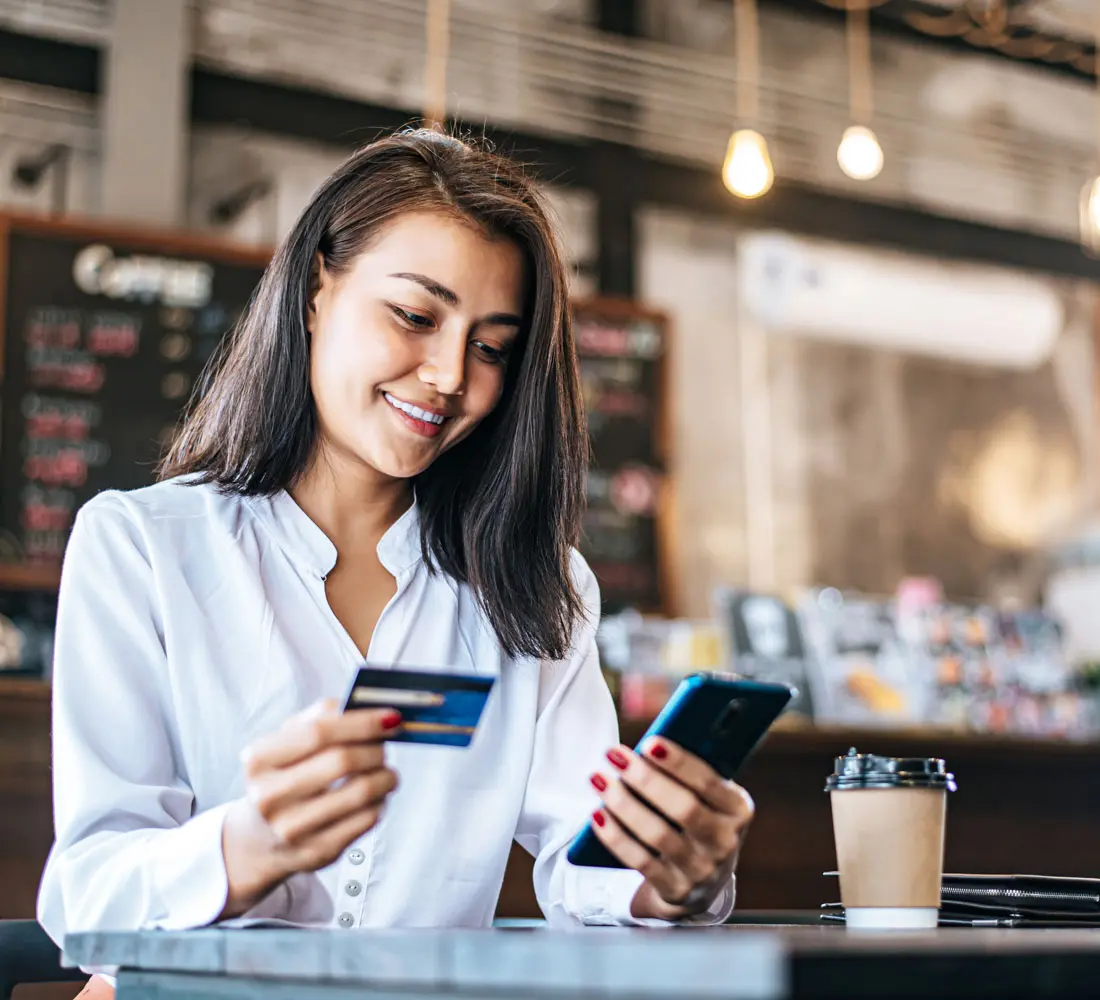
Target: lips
425	422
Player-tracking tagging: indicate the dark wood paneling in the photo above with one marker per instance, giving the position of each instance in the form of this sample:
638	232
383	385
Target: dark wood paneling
49	62
619	17
612	175
47	991
26	816
303	113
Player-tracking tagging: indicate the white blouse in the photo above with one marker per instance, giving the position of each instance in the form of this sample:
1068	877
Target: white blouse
191	623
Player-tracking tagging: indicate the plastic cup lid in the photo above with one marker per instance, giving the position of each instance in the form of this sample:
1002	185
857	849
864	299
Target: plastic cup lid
865	770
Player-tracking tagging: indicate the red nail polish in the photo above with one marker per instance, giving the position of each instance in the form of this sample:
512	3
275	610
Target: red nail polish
598	782
618	759
599	818
391	720
658	751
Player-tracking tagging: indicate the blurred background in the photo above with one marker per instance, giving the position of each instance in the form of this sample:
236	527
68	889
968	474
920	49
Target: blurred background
834	283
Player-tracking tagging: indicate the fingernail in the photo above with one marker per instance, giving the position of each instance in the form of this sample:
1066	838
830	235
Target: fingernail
599	818
391	720
658	751
618	759
598	782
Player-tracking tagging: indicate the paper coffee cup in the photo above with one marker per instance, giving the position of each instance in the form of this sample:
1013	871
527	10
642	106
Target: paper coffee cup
889	817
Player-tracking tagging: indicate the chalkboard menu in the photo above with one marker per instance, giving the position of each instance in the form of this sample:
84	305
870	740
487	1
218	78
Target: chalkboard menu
622	353
104	334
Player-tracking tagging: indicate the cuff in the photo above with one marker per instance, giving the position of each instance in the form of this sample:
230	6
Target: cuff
625	887
600	897
189	872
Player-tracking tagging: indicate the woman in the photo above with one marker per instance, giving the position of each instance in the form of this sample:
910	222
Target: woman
386	463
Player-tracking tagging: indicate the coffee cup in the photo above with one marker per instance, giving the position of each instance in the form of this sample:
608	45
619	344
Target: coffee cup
889	816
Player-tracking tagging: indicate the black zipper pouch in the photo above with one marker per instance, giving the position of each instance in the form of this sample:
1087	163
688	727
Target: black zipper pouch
1012	901
1028	900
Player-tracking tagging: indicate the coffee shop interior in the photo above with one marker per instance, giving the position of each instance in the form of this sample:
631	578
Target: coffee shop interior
835	269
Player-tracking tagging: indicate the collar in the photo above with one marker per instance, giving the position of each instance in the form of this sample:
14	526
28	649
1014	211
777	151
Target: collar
399	548
301	538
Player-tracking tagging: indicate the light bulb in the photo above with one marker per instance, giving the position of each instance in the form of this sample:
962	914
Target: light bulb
859	154
1090	215
747	170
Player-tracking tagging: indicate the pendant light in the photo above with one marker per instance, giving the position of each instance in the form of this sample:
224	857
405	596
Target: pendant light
747	169
1090	193
859	154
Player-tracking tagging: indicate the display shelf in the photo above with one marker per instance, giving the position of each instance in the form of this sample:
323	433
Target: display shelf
902	742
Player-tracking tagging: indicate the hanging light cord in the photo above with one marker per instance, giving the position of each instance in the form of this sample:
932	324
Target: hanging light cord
747	36
1096	73
859	62
437	32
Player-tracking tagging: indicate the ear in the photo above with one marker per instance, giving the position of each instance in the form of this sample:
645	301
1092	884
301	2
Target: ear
317	280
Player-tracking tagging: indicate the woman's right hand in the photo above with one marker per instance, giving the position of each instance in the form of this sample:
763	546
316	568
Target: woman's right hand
313	787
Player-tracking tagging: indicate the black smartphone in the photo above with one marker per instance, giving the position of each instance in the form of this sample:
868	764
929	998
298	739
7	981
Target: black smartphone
717	717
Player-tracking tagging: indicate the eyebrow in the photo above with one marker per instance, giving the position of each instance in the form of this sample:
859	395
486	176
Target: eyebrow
445	295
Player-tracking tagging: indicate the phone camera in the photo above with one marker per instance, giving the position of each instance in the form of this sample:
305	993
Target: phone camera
727	721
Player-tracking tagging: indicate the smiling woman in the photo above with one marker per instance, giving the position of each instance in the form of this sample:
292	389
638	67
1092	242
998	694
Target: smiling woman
385	462
419	269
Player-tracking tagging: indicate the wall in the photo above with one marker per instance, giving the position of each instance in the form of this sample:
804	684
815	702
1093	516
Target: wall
221	162
32	119
868	464
685	269
224	161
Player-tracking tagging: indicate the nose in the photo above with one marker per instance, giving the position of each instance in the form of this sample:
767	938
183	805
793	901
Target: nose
445	367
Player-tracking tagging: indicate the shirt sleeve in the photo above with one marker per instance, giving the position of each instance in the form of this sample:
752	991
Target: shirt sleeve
129	852
577	724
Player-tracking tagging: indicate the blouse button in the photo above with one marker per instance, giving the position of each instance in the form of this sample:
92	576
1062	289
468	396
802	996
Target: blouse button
345	920
352	888
356	857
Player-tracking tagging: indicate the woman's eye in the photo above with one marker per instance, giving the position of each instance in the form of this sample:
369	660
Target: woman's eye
415	320
492	354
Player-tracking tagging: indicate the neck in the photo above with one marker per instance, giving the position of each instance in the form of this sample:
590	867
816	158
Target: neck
351	503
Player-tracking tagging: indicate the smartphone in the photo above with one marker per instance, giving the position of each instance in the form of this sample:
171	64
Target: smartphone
719	718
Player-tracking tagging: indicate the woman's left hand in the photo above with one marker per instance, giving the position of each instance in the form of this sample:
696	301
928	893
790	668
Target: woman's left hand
672	817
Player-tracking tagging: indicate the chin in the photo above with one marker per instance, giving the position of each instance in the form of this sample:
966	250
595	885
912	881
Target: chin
400	467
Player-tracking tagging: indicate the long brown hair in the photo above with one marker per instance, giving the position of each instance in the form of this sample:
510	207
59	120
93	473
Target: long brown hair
501	510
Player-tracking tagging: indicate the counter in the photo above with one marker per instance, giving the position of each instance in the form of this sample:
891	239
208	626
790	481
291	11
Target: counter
1022	806
734	963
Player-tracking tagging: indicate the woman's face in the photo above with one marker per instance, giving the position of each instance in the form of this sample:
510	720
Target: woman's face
410	345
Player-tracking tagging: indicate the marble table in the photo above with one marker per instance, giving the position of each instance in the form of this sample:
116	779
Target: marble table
733	962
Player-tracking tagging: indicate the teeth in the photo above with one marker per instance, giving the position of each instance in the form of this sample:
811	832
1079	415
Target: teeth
414	411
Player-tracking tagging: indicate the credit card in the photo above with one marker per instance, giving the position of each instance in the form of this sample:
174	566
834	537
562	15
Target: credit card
438	709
